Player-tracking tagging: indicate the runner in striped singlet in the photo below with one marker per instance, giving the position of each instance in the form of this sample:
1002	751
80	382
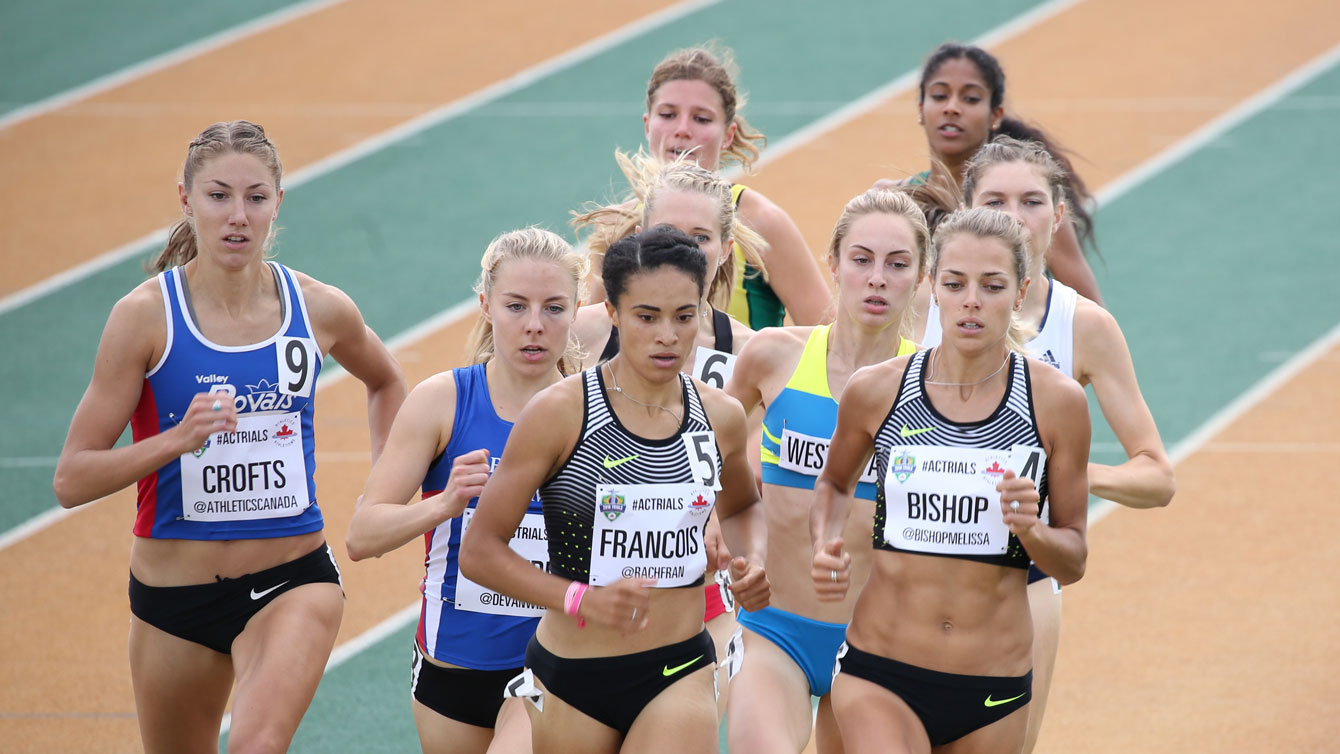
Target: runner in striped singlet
697	202
471	641
970	445
1084	341
629	458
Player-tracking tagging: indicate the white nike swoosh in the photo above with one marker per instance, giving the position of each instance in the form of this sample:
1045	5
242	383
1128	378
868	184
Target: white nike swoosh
255	595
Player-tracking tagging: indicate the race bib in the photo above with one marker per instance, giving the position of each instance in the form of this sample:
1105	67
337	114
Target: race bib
258	471
296	359
529	542
650	531
703	461
713	367
806	454
944	500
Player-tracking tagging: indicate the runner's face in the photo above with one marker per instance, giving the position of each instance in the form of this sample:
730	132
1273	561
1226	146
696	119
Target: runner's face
877	269
657	321
976	290
696	216
956	112
232	204
532	307
688	114
1018	189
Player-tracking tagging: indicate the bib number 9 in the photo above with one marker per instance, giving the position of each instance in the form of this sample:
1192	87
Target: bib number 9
297	359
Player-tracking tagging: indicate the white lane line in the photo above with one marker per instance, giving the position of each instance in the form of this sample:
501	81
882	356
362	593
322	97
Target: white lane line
382	140
347	650
1199	439
165	60
1217	127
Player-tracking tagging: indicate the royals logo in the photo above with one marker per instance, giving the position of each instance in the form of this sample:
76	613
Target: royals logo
612	504
902	466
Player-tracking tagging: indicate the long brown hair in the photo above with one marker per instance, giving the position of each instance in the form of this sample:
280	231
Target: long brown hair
240	136
713	65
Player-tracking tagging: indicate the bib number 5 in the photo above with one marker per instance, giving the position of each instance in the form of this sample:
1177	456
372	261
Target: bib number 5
702	450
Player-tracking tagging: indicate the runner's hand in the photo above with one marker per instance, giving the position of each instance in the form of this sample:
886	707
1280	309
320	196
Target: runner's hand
718	555
749	584
469	473
202	421
1019	489
829	559
624	605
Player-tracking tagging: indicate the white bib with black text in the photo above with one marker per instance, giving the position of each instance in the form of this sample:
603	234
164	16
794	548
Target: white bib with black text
650	531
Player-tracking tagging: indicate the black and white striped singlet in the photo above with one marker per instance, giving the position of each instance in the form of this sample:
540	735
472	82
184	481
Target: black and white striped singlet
569	496
1012	423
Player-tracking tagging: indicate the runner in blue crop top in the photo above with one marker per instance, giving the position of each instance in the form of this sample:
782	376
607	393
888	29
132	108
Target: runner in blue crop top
471	640
214	363
797	375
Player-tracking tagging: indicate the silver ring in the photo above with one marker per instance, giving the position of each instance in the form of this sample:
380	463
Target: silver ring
630	620
218	406
1014	505
834	575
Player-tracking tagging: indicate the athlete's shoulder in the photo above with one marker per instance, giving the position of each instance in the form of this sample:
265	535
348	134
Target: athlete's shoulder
326	303
1052	386
740	335
759	212
772	344
877	380
1092	320
723	411
145	299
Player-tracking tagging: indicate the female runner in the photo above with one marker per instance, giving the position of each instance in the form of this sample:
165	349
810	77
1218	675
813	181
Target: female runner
1085	342
693	111
798	374
628	459
213	363
472	641
975	439
960	106
698	203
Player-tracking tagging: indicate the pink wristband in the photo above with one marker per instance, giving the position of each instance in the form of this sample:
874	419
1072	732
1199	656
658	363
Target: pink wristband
573	600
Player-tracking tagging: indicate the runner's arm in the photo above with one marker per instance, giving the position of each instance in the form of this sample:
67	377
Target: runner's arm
743	525
1066	261
541	438
792	271
1058	547
865	402
1146	479
90	467
383	518
343	334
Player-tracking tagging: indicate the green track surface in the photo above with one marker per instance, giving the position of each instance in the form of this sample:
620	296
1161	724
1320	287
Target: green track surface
50	46
401	230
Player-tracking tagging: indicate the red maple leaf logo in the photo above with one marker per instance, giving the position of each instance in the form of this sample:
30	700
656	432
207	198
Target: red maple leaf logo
284	431
995	468
700	502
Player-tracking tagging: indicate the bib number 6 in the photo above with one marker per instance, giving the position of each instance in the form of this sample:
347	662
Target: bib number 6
297	359
714	367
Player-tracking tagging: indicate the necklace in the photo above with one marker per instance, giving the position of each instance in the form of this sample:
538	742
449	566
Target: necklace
614	381
929	381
